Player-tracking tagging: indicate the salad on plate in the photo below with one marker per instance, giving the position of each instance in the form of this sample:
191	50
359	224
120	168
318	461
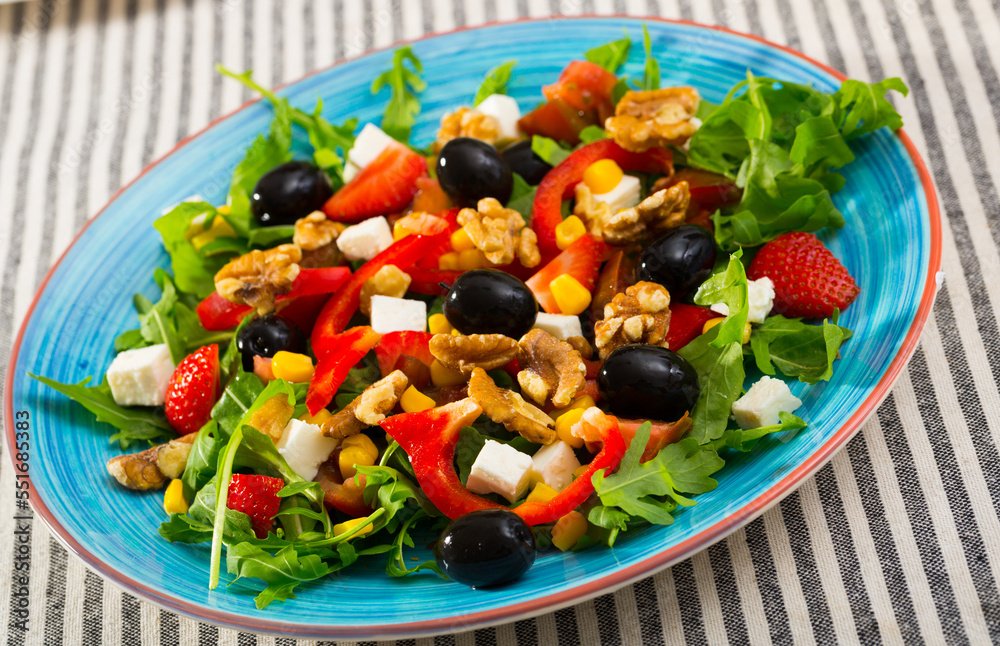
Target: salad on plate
537	333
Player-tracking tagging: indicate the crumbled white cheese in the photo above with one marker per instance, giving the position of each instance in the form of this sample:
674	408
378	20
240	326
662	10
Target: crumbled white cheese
140	377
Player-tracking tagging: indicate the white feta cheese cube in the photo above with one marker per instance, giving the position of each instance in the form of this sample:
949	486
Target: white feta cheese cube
624	195
554	464
304	447
139	377
350	171
760	293
368	145
561	326
505	110
390	314
762	403
365	240
501	469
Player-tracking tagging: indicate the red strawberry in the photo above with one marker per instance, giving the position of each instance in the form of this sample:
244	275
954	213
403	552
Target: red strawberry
809	281
193	390
686	323
581	260
384	186
257	497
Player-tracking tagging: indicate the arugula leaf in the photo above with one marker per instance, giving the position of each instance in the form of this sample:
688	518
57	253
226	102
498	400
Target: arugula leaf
193	273
231	361
522	197
651	76
590	134
271	236
730	288
863	108
470	443
223	476
283	571
745	440
396	564
610	55
236	400
202	459
796	348
720	375
404	84
181	528
652	490
134	424
495	82
295	488
551	152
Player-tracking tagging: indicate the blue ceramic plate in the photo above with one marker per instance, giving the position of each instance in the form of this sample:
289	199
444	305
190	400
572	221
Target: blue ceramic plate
891	244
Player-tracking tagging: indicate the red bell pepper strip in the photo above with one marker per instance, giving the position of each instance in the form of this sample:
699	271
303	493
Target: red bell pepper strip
344	302
576	492
429	439
560	182
341	354
393	345
217	314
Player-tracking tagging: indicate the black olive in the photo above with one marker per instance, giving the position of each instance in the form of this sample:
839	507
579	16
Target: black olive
648	382
490	301
523	161
680	260
266	336
486	548
469	170
288	192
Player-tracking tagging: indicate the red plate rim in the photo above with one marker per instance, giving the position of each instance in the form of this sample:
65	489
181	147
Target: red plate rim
576	594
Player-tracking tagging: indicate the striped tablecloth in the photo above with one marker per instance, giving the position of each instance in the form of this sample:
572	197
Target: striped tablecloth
896	540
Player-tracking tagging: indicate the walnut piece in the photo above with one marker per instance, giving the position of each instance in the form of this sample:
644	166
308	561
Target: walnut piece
663	210
314	231
465	353
500	233
150	469
510	409
467	122
640	314
650	118
390	280
368	408
550	368
255	278
594	213
273	416
581	345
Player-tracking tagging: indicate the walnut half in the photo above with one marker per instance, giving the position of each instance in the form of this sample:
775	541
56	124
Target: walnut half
550	368
500	233
150	469
640	314
367	409
663	210
255	278
465	353
650	118
508	408
314	231
467	122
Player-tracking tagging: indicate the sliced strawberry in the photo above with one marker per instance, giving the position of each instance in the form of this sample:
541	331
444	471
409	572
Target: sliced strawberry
257	497
193	390
686	324
581	260
411	343
385	185
809	281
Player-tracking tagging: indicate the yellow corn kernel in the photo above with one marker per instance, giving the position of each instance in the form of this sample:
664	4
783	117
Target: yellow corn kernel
363	442
173	498
442	375
564	424
321	416
602	176
414	401
200	236
456	333
400	231
580	470
571	297
710	323
471	259
582	403
348	525
438	324
569	231
448	261
224	209
746	333
568	530
541	493
460	241
292	367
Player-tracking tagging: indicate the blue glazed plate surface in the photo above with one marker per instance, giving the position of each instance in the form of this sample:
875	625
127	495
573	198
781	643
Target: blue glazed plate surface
891	244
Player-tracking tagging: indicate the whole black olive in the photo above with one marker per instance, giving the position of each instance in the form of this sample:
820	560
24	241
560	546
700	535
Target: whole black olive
680	260
266	336
288	192
490	301
648	382
523	161
486	548
469	170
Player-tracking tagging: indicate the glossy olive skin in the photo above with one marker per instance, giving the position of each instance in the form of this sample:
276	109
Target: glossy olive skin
680	260
266	336
486	548
469	170
648	382
526	163
288	192
490	301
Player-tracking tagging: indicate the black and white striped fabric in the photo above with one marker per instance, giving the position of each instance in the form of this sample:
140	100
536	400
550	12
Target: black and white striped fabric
897	540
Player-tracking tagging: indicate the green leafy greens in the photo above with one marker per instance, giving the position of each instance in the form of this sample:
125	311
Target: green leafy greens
611	55
495	82
404	84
